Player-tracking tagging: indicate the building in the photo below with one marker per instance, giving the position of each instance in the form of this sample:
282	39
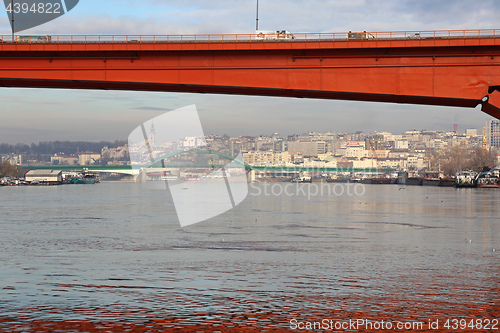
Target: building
352	149
266	158
401	144
308	149
471	132
88	158
13	159
375	142
365	163
493	133
61	159
50	177
296	158
415	162
192	142
247	143
392	163
115	153
264	145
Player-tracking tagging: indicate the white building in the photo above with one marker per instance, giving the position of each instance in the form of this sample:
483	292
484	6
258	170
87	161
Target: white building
13	159
88	158
266	158
415	162
471	132
193	142
493	133
44	176
401	144
354	149
61	159
365	163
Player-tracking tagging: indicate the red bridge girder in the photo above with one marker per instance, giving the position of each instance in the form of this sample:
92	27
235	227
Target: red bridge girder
449	71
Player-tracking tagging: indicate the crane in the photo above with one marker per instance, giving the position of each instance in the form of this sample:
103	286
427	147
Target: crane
485	138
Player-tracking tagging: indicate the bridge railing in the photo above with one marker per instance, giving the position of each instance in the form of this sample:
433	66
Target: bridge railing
267	38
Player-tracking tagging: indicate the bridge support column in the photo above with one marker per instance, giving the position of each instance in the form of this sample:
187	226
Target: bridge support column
142	177
251	176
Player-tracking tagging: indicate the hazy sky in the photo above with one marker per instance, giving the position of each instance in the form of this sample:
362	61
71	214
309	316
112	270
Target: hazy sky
32	115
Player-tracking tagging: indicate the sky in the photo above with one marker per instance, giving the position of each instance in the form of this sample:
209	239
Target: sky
33	115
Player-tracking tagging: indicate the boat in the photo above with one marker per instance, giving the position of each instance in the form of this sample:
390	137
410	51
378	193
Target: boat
336	179
414	181
447	182
432	179
487	182
302	178
402	177
112	177
488	179
383	180
378	180
465	179
86	178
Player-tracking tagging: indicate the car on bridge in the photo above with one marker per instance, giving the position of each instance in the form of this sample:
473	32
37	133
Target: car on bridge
359	35
33	39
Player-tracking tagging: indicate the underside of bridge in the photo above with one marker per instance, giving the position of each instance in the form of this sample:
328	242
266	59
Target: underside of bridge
448	72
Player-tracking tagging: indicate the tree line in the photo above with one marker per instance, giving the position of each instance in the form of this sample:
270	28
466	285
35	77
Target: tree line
455	159
55	147
9	170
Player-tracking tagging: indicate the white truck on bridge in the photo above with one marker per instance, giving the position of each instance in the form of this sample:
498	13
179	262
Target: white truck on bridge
274	35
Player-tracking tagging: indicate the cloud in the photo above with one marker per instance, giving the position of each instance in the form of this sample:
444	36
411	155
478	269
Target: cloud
181	17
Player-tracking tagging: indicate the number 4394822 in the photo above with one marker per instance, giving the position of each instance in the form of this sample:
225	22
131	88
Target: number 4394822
34	8
477	324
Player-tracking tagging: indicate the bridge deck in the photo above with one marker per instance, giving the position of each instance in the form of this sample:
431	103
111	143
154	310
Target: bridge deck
486	37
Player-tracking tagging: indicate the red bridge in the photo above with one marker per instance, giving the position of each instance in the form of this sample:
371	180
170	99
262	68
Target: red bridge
452	68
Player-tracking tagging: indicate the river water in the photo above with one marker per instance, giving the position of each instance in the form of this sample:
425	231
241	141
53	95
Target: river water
112	257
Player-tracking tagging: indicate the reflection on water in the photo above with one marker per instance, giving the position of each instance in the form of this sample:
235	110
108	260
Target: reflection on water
114	255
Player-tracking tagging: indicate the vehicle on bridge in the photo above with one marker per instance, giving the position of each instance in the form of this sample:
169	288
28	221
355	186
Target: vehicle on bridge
33	39
359	35
274	35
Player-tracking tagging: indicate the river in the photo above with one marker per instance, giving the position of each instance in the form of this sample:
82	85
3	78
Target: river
112	257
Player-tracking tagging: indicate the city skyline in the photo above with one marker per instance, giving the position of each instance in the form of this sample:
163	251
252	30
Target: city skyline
460	131
33	115
411	150
275	134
